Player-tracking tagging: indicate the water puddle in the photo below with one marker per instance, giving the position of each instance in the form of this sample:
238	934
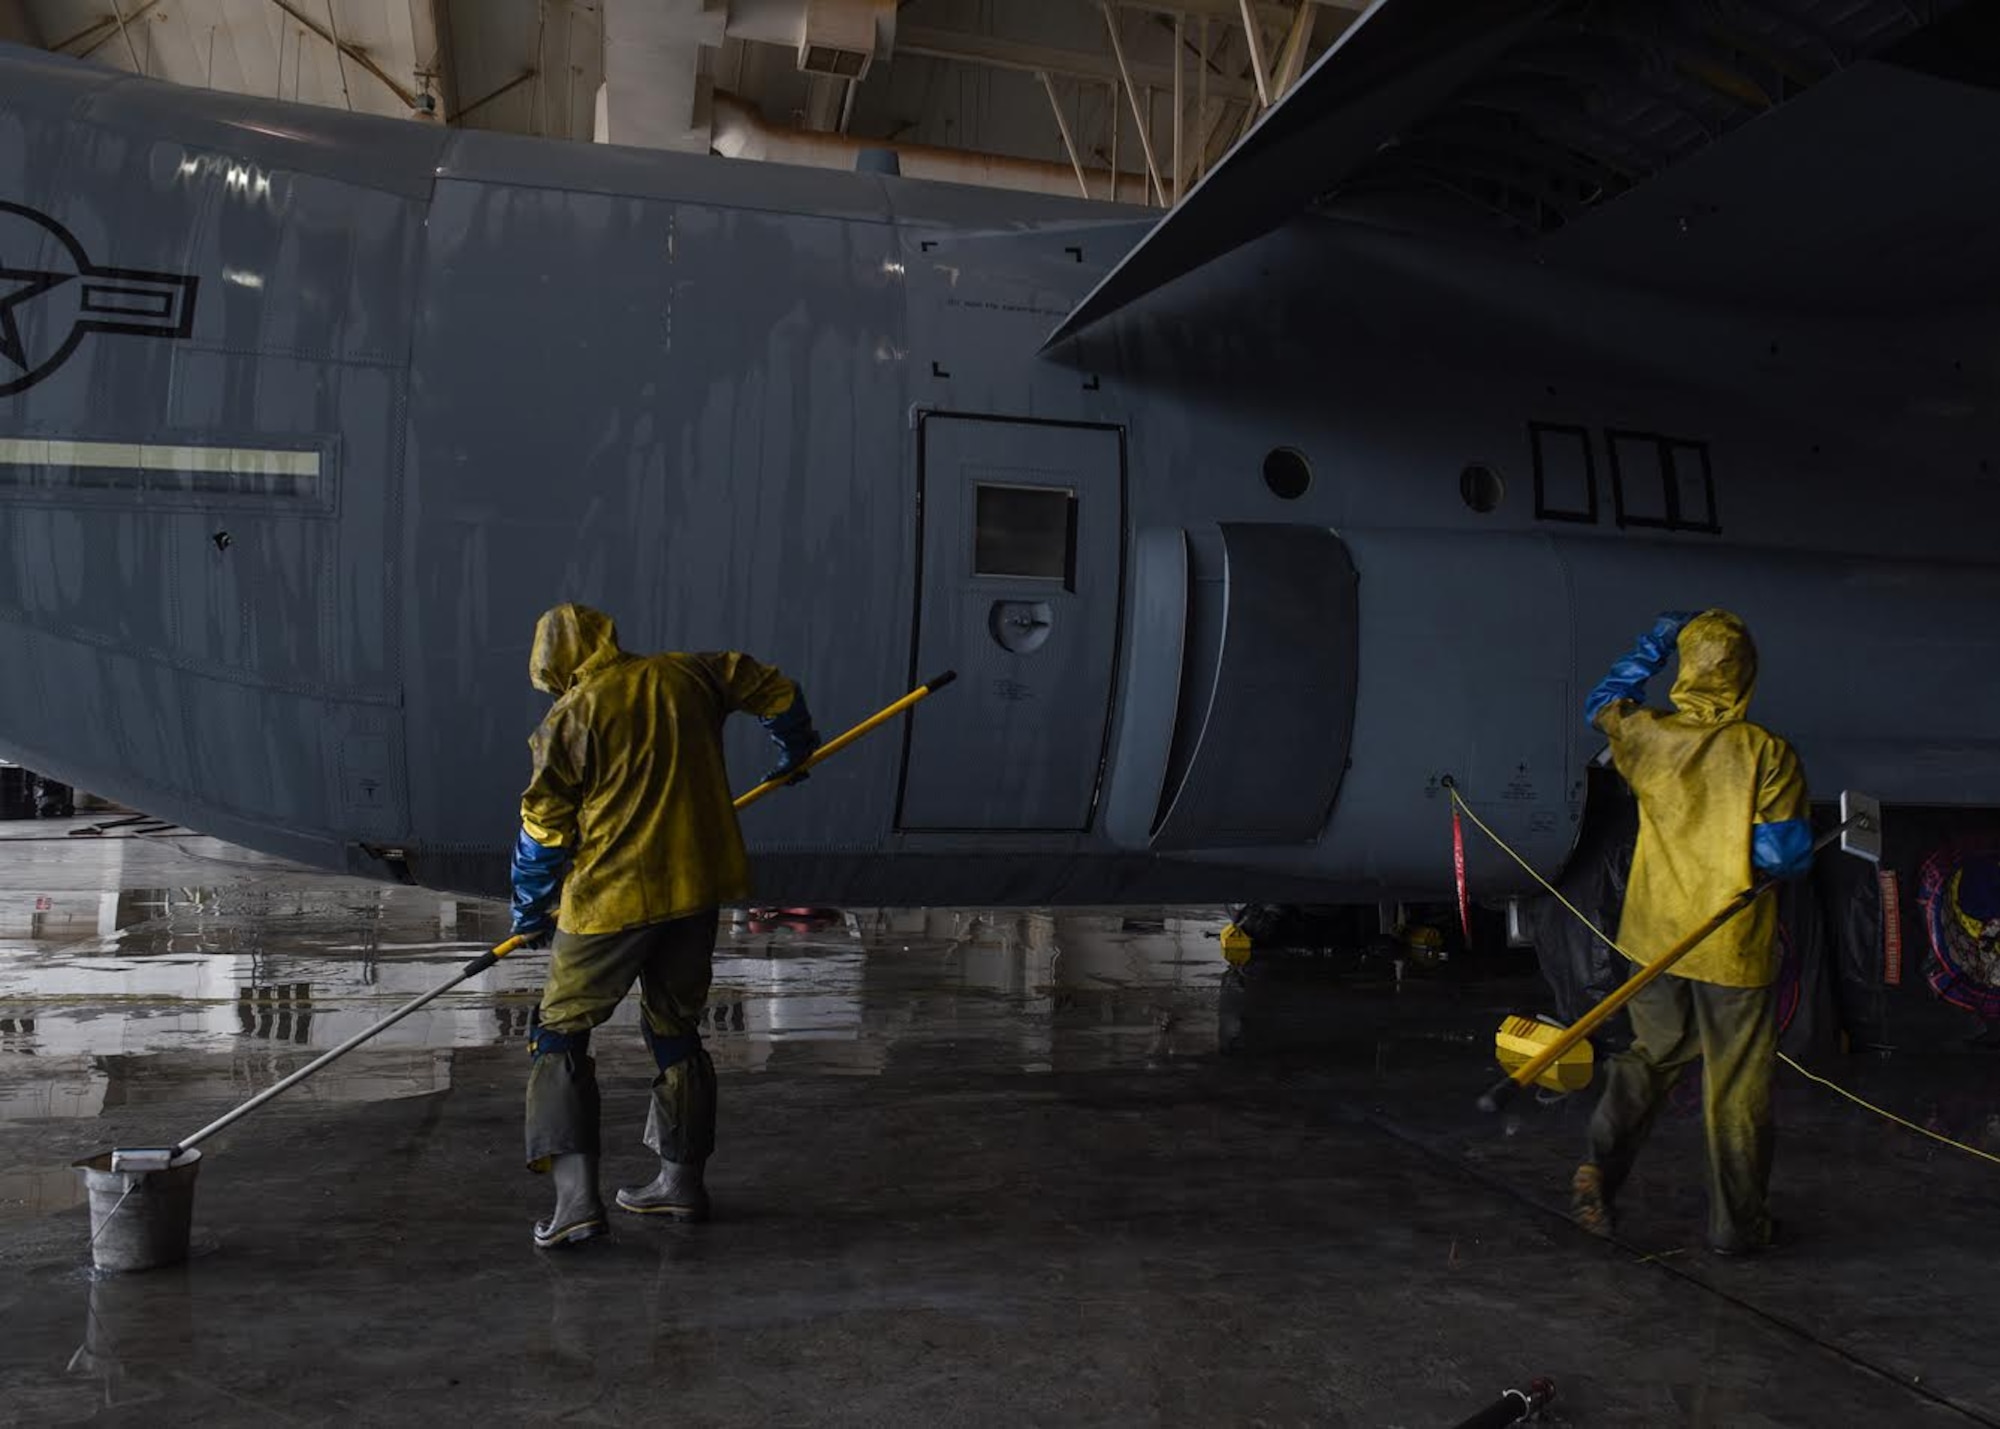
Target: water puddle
172	979
39	1190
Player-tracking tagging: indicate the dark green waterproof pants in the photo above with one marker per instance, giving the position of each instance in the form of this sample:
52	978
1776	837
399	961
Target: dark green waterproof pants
1734	1031
589	975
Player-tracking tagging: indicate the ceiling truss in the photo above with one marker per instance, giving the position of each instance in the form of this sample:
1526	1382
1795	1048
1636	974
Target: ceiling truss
1144	95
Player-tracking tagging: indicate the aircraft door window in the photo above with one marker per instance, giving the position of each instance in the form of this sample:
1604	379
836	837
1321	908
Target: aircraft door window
1693	486
1639	480
1565	473
1662	482
1025	533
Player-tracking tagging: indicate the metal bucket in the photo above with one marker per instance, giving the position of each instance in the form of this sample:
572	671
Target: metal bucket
140	1219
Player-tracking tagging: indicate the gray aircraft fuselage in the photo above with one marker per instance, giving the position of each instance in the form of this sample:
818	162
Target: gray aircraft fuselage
304	417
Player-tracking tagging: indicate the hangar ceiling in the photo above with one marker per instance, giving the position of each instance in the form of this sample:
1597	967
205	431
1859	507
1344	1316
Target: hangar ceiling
1049	94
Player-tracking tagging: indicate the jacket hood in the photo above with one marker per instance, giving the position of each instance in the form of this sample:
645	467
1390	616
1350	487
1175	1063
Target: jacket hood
1718	668
570	642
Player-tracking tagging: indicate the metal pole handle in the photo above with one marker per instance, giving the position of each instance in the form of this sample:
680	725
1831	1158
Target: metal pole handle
486	960
472	969
1498	1094
834	746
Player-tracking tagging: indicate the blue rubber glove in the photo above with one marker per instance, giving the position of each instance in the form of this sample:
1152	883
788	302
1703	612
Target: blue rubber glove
1629	673
792	731
537	876
1783	849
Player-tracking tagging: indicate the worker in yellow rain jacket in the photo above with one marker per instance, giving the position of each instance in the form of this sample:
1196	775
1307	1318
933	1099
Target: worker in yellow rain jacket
628	821
1721	800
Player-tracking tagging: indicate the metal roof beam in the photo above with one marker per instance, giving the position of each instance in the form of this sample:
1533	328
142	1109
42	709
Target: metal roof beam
1292	54
1069	142
360	57
492	94
1139	117
431	38
1037	59
103	32
1253	29
1232	10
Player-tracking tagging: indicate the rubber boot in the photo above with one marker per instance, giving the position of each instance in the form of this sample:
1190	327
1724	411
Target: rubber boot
1589	1207
579	1212
677	1192
1734	1249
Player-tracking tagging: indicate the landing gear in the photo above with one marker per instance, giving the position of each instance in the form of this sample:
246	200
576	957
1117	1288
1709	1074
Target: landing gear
1355	937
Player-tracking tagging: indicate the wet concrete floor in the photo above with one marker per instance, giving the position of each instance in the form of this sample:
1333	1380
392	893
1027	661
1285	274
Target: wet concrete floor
975	1168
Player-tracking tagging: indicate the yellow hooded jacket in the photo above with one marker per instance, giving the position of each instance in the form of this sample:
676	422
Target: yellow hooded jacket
1712	789
629	772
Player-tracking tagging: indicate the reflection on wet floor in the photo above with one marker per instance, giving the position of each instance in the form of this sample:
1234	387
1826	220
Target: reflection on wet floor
38	1190
193	969
922	1221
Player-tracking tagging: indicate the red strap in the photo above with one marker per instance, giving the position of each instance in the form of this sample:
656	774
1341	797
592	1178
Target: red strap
1458	863
1892	927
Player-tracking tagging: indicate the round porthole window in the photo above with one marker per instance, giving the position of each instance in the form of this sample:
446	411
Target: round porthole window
1286	473
1481	488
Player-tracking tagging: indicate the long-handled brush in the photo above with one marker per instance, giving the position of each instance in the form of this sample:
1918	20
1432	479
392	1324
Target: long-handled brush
138	1160
1559	1058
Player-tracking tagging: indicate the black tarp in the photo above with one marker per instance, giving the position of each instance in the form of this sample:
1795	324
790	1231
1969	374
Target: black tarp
1849	895
1576	964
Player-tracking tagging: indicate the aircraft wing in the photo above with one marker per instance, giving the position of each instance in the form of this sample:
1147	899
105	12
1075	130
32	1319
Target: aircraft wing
1512	120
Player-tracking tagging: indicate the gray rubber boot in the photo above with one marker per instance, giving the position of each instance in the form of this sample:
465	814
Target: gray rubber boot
579	1212
676	1192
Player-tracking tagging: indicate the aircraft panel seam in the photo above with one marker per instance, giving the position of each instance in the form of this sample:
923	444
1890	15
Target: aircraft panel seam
332	694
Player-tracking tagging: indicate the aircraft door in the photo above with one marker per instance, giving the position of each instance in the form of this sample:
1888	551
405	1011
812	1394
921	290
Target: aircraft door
1019	593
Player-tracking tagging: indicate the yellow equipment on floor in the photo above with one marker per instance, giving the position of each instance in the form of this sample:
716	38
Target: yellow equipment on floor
1236	946
1521	1039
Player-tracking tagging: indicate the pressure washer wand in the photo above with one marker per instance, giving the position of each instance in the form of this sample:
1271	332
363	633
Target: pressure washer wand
1497	1095
158	1159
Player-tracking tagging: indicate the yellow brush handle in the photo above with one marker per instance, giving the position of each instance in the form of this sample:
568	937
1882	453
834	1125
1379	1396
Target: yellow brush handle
1626	991
824	752
834	746
1522	1075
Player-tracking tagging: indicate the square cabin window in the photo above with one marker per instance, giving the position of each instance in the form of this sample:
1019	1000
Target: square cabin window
1639	479
1565	474
1024	532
